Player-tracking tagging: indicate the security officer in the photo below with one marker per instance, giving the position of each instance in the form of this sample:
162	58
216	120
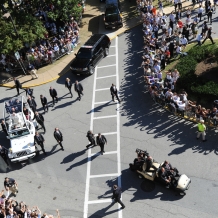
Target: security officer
59	137
117	195
91	138
40	141
53	94
114	92
29	92
40	120
79	89
4	128
44	102
101	141
201	130
32	103
4	155
68	84
17	85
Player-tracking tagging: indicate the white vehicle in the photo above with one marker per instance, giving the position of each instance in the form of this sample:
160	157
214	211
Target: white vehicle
20	128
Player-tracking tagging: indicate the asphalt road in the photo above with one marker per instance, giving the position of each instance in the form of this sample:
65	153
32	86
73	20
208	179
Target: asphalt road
60	179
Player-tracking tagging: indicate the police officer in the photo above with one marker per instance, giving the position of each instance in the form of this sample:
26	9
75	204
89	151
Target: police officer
79	89
44	102
91	138
40	120
4	154
59	137
117	195
101	141
201	130
40	141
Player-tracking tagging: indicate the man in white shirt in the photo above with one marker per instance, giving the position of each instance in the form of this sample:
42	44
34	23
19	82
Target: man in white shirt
172	17
178	50
199	37
200	12
183	41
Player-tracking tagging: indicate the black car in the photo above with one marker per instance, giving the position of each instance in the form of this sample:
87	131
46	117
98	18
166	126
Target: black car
89	55
112	17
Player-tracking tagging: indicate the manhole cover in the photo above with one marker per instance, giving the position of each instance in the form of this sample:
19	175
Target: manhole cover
147	186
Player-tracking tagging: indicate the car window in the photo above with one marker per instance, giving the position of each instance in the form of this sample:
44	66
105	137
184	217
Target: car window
111	11
84	53
97	48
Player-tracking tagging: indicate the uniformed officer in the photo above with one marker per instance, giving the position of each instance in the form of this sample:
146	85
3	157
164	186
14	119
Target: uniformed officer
4	154
40	120
117	195
40	141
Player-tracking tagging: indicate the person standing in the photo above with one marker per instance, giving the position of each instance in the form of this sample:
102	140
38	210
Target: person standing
209	32
44	102
117	195
32	71
101	141
4	128
4	154
79	89
68	84
17	85
11	185
32	103
91	138
53	94
199	37
209	15
59	137
114	92
29	92
200	12
40	141
40	120
201	130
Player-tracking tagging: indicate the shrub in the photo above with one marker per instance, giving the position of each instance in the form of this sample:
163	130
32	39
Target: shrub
186	65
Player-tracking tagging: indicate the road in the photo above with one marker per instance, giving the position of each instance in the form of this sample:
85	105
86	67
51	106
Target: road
78	181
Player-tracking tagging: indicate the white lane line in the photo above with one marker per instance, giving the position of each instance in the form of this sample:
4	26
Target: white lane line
112	46
103	175
120	214
104	117
85	211
111	65
100	201
102	102
111	55
105	77
109	152
107	133
97	90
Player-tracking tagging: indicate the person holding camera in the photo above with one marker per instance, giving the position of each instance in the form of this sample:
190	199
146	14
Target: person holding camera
11	185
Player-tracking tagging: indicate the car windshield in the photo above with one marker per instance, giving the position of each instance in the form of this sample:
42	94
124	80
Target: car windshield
111	14
18	133
84	53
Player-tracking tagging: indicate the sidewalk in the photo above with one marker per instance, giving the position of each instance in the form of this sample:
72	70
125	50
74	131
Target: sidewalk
92	23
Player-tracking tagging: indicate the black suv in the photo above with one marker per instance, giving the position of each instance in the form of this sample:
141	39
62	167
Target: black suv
90	54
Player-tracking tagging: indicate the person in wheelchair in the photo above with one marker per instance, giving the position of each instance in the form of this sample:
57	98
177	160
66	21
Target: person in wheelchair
172	171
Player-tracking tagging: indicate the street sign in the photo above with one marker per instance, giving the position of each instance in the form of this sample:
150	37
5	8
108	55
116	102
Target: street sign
17	55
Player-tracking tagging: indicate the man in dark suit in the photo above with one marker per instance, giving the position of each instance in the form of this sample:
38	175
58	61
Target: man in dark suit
40	141
4	154
59	137
101	141
117	195
32	104
68	84
29	92
40	120
79	89
53	94
91	138
114	92
44	102
17	85
4	128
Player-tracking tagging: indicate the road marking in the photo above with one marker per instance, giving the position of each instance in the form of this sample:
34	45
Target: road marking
112	46
105	77
109	152
102	102
104	117
100	201
103	175
112	65
97	90
111	55
107	133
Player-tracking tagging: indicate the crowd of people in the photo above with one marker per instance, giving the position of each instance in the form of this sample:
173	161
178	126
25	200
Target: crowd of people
164	37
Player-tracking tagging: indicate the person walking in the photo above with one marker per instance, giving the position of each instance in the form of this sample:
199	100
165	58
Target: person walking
11	185
209	32
101	141
53	94
17	85
32	71
59	137
114	92
209	15
79	89
32	103
201	130
44	102
40	120
29	92
4	154
91	138
40	141
4	128
68	84
117	196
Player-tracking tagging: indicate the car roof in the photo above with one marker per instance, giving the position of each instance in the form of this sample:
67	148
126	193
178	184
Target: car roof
92	41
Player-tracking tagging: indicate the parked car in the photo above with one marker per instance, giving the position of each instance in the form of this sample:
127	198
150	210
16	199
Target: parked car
90	54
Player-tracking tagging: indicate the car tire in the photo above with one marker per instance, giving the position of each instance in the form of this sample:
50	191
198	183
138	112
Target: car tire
91	70
106	52
182	193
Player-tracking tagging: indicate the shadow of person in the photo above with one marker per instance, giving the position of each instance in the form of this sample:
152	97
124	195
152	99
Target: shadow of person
73	156
99	108
103	212
63	105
